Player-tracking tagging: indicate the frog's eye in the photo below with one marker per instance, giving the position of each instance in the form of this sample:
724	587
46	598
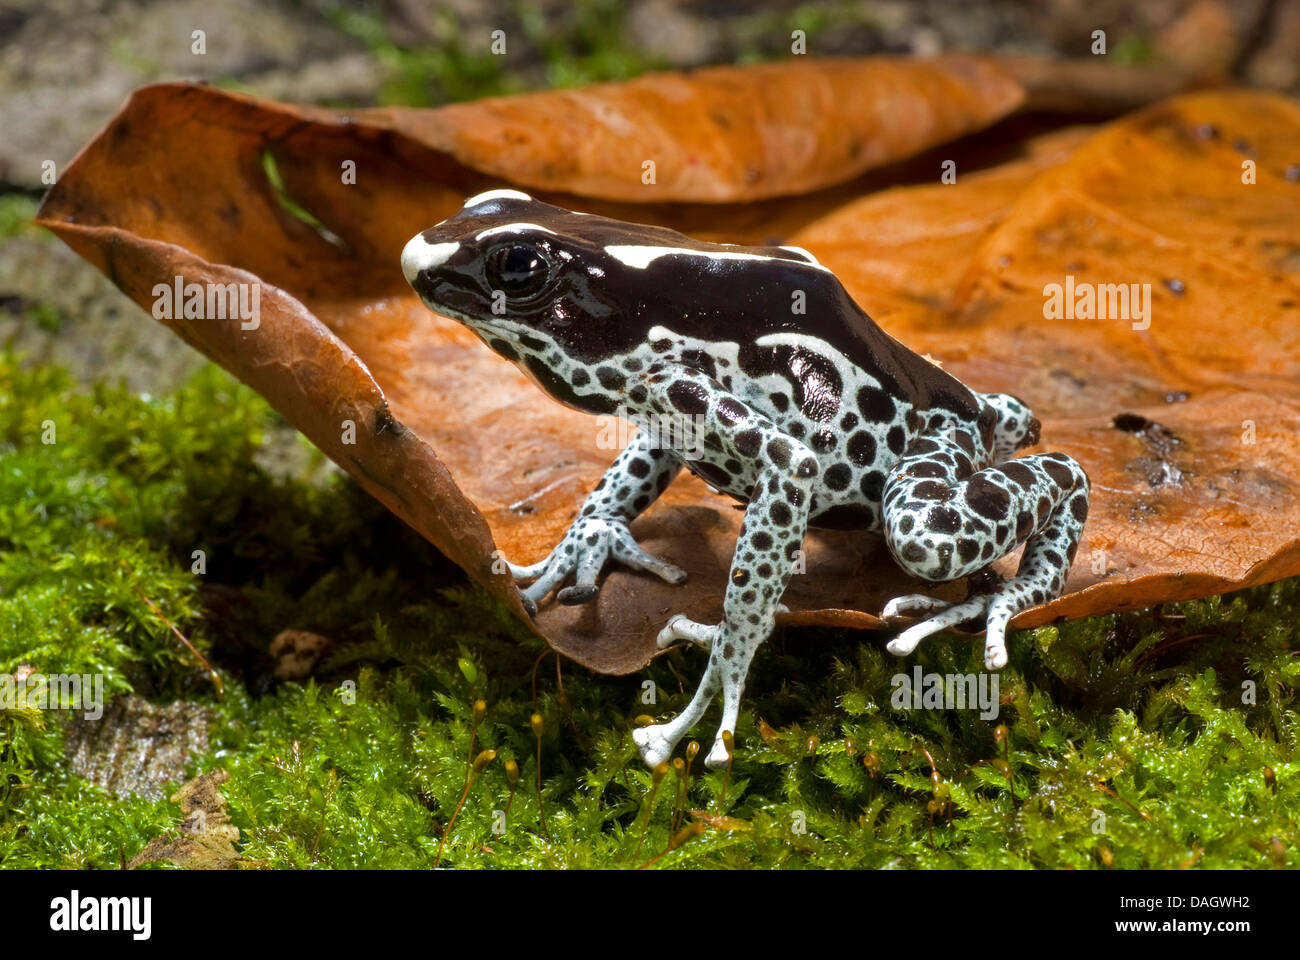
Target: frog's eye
518	269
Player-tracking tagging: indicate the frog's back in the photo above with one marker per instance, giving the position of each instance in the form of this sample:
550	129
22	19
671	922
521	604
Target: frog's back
778	330
775	302
791	316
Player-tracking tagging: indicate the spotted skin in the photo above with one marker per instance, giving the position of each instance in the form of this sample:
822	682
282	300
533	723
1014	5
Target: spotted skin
630	485
947	520
810	419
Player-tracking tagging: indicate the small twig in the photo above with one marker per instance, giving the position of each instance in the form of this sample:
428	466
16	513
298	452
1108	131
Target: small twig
535	666
656	778
1109	792
728	741
679	807
479	710
538	727
512	776
483	759
685	835
1077	85
1165	646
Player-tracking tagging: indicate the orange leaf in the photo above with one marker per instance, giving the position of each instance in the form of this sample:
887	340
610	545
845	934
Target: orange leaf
457	443
723	133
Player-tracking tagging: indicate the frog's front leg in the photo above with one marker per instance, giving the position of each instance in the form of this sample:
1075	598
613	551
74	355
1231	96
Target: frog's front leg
770	537
633	481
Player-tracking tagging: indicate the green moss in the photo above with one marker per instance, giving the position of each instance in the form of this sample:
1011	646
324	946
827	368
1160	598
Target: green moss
1128	742
583	43
1134	49
16	213
426	75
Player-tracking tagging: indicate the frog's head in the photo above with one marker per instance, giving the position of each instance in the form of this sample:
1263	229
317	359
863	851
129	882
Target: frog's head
517	272
554	291
1016	427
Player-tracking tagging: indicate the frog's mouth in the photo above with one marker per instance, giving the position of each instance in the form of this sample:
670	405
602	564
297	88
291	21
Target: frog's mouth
420	262
486	330
493	332
419	255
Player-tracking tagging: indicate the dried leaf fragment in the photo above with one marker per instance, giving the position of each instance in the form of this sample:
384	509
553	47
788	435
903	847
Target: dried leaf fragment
206	836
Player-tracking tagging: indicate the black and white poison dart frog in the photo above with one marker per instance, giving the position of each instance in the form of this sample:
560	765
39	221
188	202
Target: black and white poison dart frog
817	418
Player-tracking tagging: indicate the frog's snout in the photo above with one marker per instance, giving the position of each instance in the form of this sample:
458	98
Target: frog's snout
419	255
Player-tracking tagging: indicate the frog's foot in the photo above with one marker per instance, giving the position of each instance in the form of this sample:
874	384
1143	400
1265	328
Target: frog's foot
658	740
655	745
995	651
997	606
731	650
583	553
679	629
911	607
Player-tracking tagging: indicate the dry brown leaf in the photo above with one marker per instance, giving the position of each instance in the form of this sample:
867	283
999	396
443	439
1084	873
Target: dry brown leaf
1183	505
723	133
458	444
296	653
206	836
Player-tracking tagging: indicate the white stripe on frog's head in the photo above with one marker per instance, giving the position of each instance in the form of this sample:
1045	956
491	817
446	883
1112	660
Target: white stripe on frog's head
641	257
502	194
514	228
420	255
803	253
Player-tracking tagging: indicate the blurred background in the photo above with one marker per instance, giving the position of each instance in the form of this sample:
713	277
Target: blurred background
67	65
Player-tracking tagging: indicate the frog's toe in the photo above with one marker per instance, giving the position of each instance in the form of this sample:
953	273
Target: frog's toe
718	756
907	641
995	653
531	571
626	549
590	562
552	577
1001	610
654	746
680	628
577	595
529	606
912	606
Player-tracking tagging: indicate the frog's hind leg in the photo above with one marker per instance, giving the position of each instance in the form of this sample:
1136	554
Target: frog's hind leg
944	520
657	741
1043	567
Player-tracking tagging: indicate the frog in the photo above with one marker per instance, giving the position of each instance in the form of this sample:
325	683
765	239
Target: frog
791	400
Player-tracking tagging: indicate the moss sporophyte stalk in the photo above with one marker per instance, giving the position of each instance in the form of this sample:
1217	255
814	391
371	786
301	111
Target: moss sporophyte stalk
1165	738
